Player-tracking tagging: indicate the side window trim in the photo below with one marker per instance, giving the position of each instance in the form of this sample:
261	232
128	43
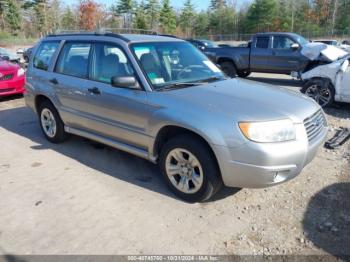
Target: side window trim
53	58
61	50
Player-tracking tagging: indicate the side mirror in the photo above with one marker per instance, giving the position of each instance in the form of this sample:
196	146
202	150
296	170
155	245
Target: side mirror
295	46
5	57
344	66
125	81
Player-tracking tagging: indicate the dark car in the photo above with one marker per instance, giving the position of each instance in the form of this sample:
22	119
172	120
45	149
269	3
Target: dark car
27	53
202	44
267	52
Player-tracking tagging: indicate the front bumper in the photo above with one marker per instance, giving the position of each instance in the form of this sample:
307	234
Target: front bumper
256	165
13	86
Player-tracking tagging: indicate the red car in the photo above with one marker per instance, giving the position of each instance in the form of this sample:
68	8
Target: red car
12	78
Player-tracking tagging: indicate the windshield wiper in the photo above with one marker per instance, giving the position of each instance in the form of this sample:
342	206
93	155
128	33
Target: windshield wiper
187	84
177	85
211	79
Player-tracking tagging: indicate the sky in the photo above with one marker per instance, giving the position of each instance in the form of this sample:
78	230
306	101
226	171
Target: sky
199	4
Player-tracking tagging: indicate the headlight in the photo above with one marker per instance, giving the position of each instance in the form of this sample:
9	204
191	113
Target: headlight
268	132
20	72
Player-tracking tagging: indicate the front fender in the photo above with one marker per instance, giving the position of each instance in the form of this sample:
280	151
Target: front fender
214	130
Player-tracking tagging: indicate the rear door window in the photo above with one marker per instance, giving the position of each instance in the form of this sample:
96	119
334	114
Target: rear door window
74	59
44	54
262	42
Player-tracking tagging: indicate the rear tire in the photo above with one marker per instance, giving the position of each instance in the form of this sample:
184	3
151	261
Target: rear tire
321	90
51	123
244	73
228	68
189	168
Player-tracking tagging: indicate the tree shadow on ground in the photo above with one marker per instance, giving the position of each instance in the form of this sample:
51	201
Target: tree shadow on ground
327	220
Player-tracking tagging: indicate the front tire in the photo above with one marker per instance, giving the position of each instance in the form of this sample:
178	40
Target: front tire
321	90
51	123
189	168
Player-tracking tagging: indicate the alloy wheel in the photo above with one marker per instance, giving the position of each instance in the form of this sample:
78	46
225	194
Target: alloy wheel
48	122
184	170
322	95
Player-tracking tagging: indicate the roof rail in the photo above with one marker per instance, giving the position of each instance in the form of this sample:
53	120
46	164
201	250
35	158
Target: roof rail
102	31
114	32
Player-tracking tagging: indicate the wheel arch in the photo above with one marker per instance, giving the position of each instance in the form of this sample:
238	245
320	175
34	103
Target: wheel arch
227	59
169	131
39	99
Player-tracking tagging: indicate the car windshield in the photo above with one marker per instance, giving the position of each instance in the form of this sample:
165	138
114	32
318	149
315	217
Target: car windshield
3	51
175	64
208	43
301	40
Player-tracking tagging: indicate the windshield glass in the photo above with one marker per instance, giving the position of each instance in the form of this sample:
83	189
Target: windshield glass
301	40
208	43
172	63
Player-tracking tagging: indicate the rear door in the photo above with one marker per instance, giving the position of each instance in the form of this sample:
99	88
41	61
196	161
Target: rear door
260	54
284	58
70	78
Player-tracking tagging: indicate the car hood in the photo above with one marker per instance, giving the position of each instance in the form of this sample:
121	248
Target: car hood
242	100
7	66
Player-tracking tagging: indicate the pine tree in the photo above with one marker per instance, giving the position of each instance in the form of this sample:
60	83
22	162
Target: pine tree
68	20
167	18
152	11
261	15
40	8
12	16
201	24
125	8
187	18
140	19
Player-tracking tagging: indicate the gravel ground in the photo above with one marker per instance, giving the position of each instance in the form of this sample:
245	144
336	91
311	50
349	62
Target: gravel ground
83	198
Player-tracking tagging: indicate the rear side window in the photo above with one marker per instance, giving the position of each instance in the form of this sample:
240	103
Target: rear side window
74	60
262	42
44	54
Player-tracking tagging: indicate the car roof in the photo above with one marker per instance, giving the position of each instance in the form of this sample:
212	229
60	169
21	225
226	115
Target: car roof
130	38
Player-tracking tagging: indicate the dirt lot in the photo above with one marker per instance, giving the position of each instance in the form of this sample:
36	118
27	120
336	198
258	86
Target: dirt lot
84	198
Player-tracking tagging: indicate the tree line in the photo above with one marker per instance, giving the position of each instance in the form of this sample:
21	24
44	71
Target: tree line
35	18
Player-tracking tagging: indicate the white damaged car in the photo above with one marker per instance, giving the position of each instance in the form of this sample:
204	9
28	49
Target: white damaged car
328	80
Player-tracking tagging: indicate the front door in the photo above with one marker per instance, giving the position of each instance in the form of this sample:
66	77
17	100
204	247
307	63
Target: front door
284	58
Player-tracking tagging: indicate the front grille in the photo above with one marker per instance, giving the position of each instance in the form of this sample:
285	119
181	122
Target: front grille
315	124
6	77
4	90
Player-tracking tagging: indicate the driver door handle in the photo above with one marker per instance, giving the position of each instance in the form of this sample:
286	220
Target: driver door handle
94	91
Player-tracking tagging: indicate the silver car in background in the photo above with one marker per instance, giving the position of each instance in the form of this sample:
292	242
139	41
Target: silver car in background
162	99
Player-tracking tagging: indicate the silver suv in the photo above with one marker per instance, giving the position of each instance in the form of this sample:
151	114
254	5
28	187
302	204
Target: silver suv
161	99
